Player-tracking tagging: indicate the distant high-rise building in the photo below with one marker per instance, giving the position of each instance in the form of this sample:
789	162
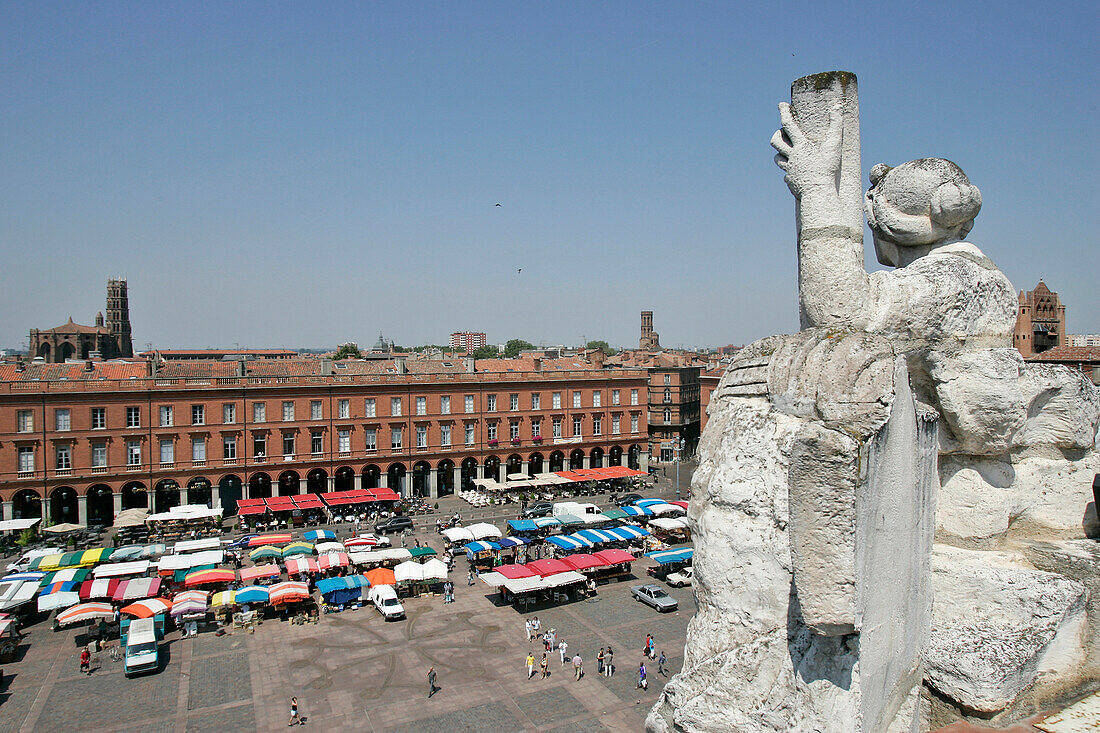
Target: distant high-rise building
1040	321
109	338
650	339
467	340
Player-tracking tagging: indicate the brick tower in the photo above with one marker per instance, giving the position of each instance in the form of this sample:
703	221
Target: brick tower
118	316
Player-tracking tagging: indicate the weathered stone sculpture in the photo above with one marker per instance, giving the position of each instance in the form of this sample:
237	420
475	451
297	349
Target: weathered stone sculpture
814	505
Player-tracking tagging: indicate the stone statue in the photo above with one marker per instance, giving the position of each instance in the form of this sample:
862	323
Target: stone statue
815	502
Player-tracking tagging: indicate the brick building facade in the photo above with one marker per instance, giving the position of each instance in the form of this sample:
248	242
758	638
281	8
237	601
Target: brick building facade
79	442
109	338
1040	321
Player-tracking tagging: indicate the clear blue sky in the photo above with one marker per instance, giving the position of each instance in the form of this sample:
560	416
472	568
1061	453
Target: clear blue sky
301	174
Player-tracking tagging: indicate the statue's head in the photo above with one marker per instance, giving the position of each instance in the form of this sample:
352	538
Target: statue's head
917	206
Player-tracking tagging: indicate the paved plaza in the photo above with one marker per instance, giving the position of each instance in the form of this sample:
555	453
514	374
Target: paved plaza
355	671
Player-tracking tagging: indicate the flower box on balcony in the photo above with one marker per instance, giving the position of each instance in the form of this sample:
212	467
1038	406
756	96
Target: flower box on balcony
515	441
536	439
492	443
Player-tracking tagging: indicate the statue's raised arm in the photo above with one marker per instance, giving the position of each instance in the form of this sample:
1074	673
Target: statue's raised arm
818	148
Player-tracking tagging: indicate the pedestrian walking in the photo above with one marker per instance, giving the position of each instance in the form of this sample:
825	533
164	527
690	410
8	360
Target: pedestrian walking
553	639
85	661
295	719
661	663
609	662
648	651
530	629
562	648
470	577
431	681
530	665
643	683
599	661
545	666
536	625
577	671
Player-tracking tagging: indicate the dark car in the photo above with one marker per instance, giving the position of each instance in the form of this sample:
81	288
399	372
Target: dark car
541	509
241	542
627	499
393	525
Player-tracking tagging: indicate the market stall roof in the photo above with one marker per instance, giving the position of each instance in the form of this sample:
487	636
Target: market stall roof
16	593
665	508
423	551
190	560
203	577
331	546
288	591
136	589
60	595
189	601
559	579
380	576
244	511
615	513
298	548
340	498
131	518
455	535
253	594
221	598
408	572
249	503
649	502
189	512
488	484
280	503
506	542
298	565
664	557
522	525
333	560
523	585
384	495
636	511
85	612
24	576
63	527
682	504
147	608
308	501
18	525
597	536
435	569
552	478
260	571
565	519
347	582
568	542
484	530
615	556
582	561
315	535
669	524
547	566
278	538
206	543
265	552
65	575
492	578
627	532
543	522
480	546
515	571
99	588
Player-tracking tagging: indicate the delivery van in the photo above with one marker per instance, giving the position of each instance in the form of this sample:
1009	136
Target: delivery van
142	648
384	598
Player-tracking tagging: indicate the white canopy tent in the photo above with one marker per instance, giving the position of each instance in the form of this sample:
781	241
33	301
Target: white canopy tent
208	543
18	525
186	513
116	570
190	560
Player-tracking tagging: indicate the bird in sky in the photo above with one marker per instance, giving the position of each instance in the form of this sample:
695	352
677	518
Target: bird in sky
519	270
498	204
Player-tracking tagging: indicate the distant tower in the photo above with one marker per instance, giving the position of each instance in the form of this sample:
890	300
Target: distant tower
649	338
118	317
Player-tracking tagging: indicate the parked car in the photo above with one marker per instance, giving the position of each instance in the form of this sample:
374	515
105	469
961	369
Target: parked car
393	525
384	598
541	509
652	595
377	539
240	543
627	499
25	560
680	578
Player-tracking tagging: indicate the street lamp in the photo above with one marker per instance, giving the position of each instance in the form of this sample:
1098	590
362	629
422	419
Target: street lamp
677	445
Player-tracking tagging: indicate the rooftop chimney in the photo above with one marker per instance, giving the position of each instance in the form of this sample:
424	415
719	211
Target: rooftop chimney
538	364
399	365
326	367
242	368
469	360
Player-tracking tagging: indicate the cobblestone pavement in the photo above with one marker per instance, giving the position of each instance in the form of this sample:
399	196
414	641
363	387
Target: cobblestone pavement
357	672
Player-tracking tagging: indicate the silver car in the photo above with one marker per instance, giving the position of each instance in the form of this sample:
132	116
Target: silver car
652	595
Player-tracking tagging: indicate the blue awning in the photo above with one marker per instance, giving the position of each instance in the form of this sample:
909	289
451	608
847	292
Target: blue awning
522	525
636	511
481	546
649	502
512	542
664	557
627	532
348	582
568	542
546	522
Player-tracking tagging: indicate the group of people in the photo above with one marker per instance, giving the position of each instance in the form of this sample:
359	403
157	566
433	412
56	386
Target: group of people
605	659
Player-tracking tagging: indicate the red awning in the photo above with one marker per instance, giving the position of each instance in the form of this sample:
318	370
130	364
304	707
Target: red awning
308	501
581	561
385	495
249	502
547	566
246	510
514	571
614	557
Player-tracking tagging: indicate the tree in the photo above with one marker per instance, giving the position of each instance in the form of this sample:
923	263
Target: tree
348	351
485	352
602	346
514	346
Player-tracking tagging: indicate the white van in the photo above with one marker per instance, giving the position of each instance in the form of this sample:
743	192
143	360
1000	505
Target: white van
142	652
576	508
21	564
384	598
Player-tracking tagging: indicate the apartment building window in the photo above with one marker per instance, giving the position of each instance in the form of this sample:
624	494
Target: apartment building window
421	405
536	428
396	439
668	379
343	409
491	403
469	400
26	460
577	422
633	396
259	446
198	414
445	435
371	435
259	412
421	436
229	413
536	400
445	405
668	395
557	427
64	455
167	451
25	421
395	406
229	448
576	398
99	418
615	425
513	402
63	420
99	455
597	425
555	400
198	449
288	411
668	415
470	433
491	431
368	407
133	452
316	442
513	429
343	440
316	411
288	445
614	396
597	398
165	416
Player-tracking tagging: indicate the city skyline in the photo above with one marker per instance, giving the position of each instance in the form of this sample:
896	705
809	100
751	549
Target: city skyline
312	176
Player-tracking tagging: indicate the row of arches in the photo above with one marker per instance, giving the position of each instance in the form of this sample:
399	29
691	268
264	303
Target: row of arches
62	502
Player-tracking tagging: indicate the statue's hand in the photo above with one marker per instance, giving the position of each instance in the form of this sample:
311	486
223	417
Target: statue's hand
810	166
